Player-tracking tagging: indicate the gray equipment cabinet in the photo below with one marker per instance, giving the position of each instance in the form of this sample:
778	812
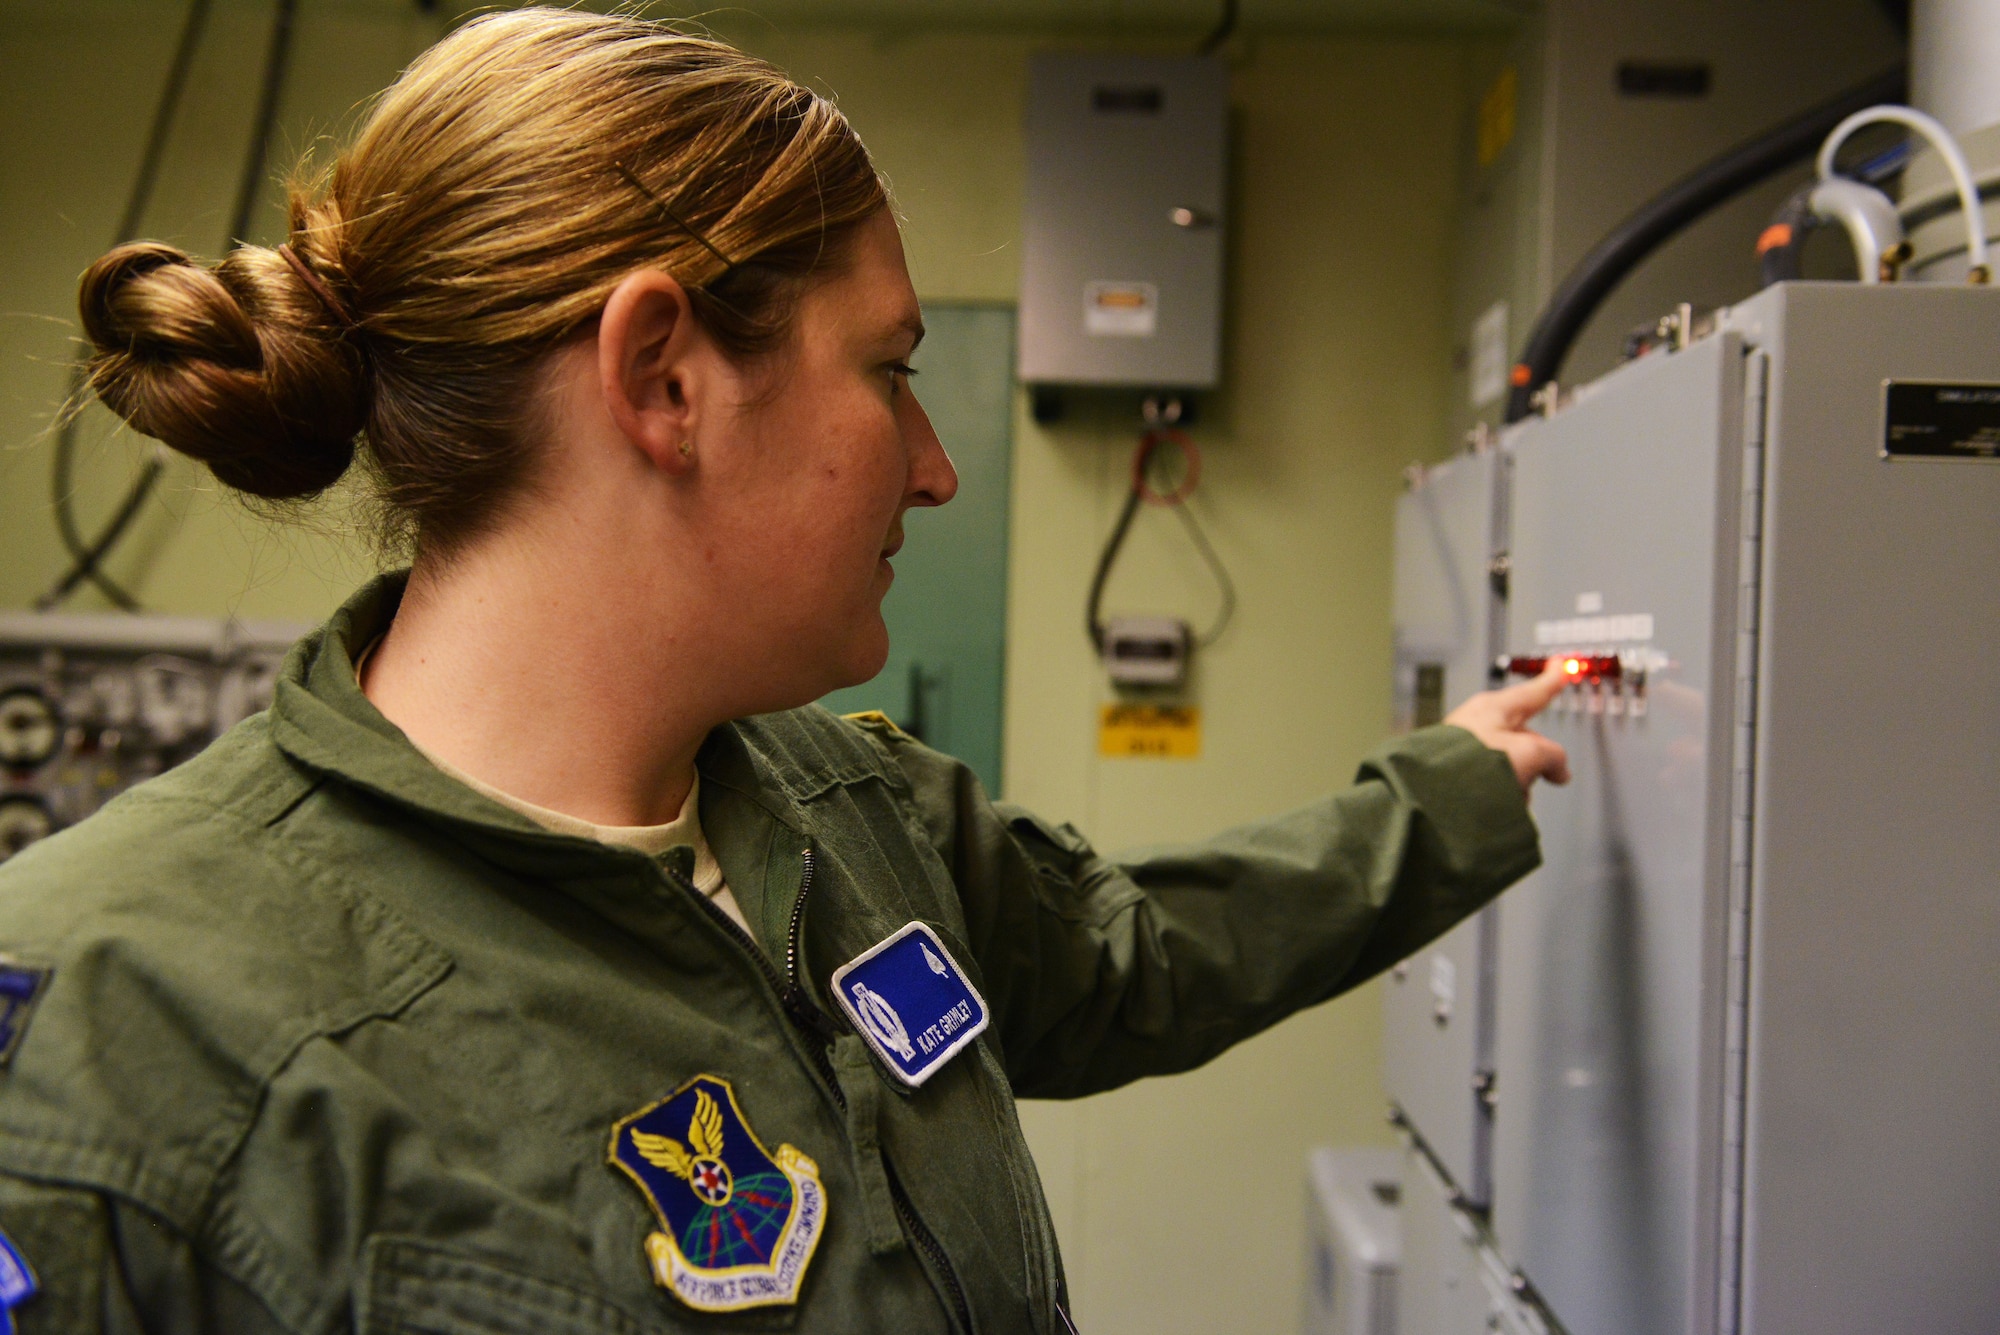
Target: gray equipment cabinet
1122	221
1452	1282
1747	1057
1437	1016
1355	1240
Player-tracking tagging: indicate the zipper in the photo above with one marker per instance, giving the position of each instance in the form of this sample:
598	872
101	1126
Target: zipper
798	1002
927	1243
803	1012
792	998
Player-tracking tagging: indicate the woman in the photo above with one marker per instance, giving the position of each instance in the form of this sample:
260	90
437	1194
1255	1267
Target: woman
537	963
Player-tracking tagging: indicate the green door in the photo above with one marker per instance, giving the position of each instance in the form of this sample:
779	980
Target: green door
947	611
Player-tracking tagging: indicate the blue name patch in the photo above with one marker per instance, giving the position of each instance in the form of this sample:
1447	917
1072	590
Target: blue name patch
912	1003
20	988
17	1282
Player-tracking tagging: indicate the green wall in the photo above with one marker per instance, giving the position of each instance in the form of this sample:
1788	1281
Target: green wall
1179	1200
945	681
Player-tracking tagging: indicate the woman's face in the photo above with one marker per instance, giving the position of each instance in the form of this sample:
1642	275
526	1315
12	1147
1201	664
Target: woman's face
818	470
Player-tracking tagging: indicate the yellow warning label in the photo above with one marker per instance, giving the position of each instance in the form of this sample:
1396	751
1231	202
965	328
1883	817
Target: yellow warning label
1496	116
1149	730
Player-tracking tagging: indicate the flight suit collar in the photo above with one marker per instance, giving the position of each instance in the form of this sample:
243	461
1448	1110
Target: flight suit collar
321	719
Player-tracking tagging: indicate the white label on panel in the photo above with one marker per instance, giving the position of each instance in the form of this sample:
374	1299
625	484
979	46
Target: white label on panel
1489	355
1587	603
1632	629
1121	310
1444	979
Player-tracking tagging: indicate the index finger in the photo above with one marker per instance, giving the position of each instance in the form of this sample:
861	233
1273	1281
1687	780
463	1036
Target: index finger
1523	701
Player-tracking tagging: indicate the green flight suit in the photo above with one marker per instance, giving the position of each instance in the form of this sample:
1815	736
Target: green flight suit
331	1042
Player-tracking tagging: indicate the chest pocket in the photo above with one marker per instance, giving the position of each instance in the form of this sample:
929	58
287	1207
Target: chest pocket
413	1287
416	1288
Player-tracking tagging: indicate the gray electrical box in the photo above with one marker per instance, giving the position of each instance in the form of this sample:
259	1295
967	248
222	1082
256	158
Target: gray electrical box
1450	612
1123	218
1746	1055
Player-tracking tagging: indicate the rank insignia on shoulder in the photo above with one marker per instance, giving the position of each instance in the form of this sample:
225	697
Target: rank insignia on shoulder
876	718
911	1002
20	988
17	1282
738	1224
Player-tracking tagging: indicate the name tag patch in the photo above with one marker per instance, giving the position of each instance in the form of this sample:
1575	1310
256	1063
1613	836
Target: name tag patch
17	1282
911	1002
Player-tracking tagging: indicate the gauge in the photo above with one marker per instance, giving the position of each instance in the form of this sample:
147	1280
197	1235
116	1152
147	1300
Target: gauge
29	729
23	820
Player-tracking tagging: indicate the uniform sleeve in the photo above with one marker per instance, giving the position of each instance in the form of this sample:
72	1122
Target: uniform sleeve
1102	970
105	1267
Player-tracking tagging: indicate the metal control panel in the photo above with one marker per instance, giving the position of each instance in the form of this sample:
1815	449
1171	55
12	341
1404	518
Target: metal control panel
1609	972
1437	1010
1746	1057
90	705
1123	220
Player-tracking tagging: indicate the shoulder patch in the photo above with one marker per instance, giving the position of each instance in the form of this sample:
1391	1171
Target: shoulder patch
17	1282
875	718
20	988
738	1224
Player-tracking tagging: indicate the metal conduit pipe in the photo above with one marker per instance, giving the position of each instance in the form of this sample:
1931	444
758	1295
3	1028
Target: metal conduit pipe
1642	233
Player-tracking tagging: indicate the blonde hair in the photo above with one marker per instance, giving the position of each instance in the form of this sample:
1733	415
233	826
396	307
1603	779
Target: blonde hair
495	196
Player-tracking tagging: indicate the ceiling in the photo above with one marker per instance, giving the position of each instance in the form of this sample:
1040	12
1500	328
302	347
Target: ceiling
1192	17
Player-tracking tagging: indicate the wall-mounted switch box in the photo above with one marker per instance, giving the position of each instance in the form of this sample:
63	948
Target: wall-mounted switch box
1124	215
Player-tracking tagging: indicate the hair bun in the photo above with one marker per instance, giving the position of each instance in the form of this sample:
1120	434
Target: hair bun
236	366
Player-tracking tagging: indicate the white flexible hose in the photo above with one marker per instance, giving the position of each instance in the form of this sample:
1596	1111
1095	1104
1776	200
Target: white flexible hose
1869	220
1947	150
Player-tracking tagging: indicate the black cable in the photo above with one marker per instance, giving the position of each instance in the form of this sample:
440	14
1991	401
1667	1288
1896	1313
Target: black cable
1221	32
85	557
1667	213
1093	623
277	61
1215	568
86	562
163	121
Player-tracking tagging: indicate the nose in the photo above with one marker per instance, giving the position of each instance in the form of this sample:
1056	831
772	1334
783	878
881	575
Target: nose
933	480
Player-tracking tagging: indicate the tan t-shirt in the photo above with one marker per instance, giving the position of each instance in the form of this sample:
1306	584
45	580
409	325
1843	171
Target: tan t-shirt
652	840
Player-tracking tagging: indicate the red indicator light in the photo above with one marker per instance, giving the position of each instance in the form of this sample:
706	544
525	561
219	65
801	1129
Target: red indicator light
1581	667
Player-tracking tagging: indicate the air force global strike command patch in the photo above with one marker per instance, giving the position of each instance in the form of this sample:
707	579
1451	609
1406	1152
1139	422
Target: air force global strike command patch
911	1002
738	1225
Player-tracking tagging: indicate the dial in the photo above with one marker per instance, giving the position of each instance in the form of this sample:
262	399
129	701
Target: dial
23	820
29	728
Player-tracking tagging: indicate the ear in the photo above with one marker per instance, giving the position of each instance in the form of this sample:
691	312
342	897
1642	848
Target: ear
645	341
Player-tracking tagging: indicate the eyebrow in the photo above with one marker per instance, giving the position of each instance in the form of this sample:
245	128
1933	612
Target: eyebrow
914	326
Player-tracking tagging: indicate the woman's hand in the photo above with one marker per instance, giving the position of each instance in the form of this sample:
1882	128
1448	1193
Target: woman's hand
1499	719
